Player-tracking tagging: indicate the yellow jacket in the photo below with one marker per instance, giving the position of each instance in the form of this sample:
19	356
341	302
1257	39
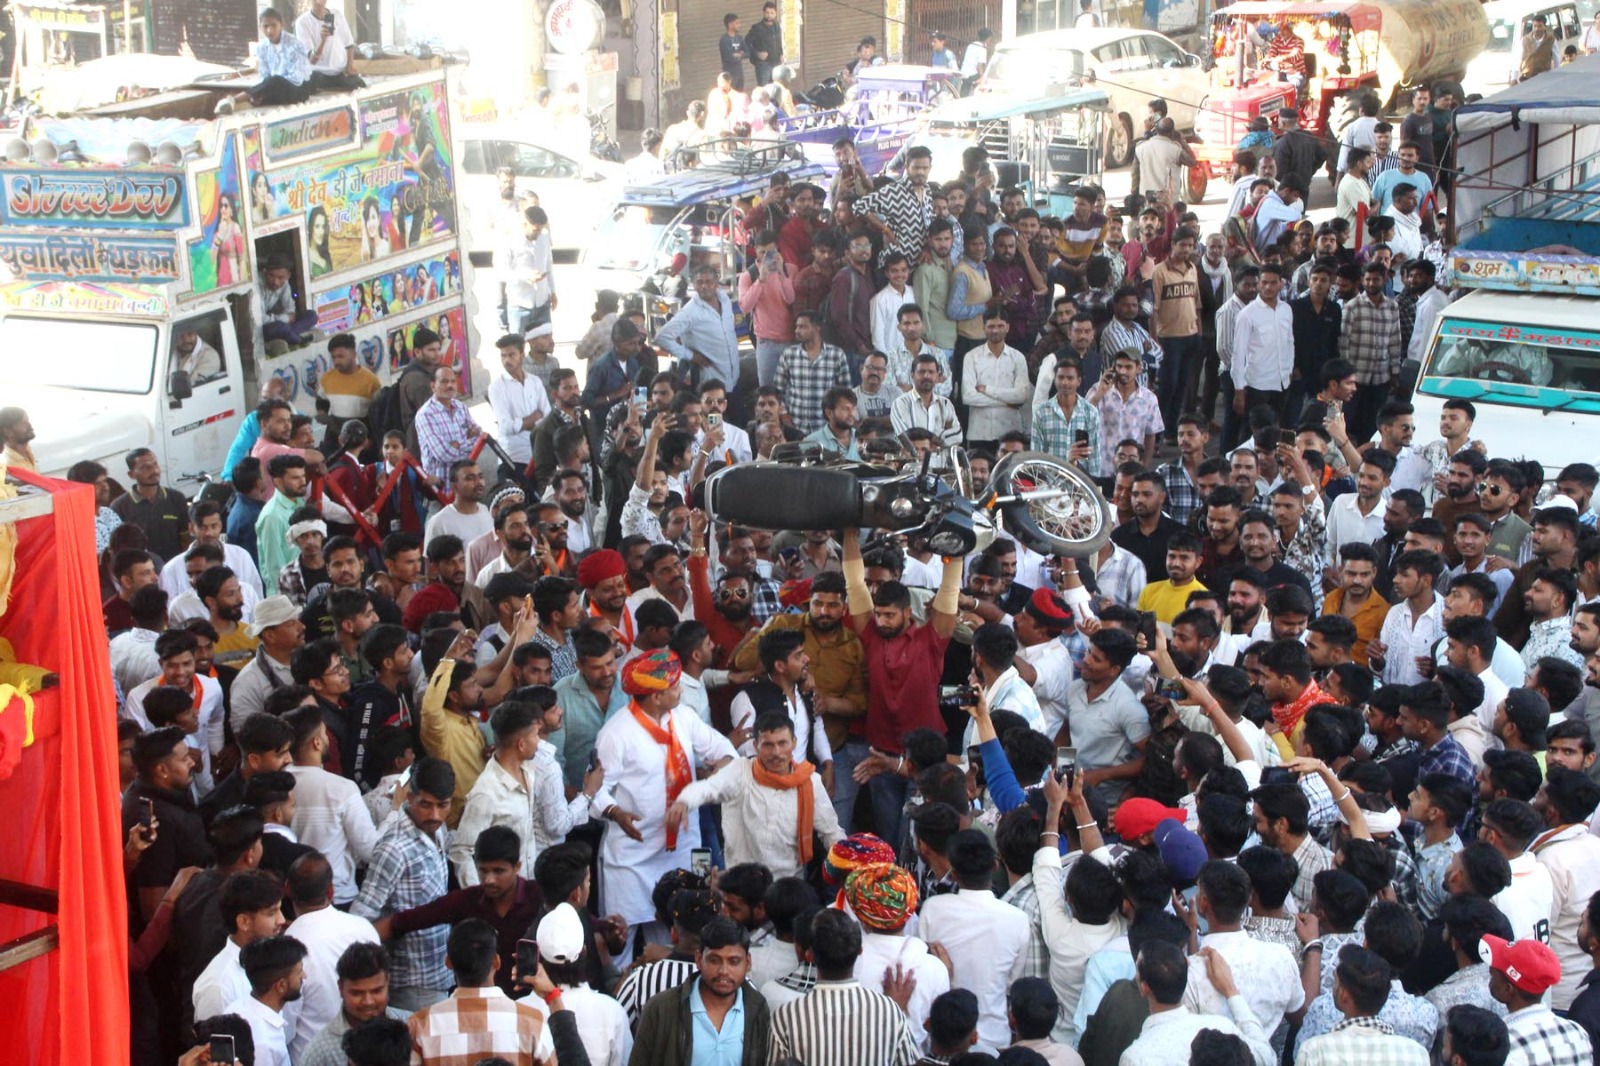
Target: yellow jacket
453	737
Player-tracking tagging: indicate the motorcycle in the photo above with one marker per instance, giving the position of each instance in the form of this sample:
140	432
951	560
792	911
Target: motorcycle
826	95
601	144
1051	506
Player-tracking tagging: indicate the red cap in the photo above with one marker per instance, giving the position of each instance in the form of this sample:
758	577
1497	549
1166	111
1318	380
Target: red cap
1528	964
1136	817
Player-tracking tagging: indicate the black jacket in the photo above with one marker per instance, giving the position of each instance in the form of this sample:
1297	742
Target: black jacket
666	1033
1316	338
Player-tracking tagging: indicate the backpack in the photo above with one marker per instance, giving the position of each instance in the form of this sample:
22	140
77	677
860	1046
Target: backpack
384	415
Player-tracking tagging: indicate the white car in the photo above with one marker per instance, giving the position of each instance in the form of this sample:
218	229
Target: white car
577	190
1132	66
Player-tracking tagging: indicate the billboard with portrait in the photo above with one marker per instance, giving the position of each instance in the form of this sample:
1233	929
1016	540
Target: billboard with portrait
219	257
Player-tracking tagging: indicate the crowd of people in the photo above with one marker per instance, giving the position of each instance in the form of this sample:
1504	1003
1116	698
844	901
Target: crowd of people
1298	766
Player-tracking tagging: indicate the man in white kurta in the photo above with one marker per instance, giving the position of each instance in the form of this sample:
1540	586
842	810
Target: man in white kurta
649	753
760	799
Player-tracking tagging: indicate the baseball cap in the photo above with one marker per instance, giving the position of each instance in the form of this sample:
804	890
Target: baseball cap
1136	817
560	934
1181	849
1528	964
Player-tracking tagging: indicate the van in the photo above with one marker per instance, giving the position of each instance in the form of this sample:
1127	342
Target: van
1509	21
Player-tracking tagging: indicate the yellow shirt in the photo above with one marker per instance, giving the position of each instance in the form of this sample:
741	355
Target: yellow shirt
453	737
1167	600
349	395
236	648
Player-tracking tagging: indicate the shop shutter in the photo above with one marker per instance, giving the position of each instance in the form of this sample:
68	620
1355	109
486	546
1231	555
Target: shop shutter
829	33
699	56
958	20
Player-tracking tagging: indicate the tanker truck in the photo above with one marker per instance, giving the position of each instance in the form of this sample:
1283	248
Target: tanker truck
1316	57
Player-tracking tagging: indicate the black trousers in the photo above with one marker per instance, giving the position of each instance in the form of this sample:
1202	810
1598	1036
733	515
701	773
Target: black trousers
276	91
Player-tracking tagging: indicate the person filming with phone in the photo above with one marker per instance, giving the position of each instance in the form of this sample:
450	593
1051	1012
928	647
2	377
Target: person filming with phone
331	47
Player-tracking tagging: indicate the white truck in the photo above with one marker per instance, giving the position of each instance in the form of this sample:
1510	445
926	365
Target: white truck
1523	343
131	289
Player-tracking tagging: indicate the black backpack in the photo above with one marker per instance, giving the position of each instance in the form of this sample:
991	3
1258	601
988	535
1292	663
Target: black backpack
385	416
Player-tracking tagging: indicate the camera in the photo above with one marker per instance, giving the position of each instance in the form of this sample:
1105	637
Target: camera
957	697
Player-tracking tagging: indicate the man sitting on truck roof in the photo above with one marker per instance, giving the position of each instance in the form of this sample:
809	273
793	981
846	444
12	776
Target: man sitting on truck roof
285	69
330	47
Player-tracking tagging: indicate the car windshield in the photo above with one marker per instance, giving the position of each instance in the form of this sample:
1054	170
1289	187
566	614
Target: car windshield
631	238
104	356
1021	67
1501	31
1495	362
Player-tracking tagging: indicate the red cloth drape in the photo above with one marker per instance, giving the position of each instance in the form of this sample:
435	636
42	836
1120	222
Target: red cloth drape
61	808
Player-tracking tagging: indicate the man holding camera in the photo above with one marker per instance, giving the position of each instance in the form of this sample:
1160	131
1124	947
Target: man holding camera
331	46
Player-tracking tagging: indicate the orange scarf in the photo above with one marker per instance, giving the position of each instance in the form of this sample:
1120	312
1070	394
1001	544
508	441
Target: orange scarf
798	779
679	772
626	633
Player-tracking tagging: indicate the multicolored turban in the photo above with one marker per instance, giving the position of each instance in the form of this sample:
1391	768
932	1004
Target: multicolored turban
655	672
883	896
852	853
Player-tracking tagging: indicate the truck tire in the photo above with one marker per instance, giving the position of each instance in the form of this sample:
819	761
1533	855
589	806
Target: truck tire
1119	142
779	496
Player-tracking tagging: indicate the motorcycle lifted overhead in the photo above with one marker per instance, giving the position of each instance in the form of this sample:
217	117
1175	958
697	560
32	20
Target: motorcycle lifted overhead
1049	505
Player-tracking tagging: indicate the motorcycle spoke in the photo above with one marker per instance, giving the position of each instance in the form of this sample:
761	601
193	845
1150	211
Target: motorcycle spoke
1071	512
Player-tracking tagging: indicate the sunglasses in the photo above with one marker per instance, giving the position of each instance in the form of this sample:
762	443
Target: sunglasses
734	593
1486	489
552	526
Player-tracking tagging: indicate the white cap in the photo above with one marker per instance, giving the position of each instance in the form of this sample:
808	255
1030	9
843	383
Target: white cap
560	935
272	611
1566	503
544	330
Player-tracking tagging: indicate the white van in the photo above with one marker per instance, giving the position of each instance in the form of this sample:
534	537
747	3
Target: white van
1509	20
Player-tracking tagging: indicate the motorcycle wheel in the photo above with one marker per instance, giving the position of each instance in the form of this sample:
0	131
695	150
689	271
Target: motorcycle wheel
1077	523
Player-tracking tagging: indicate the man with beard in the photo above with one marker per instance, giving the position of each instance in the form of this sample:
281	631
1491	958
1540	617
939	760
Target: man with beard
782	686
1258	536
1219	549
274	545
1244	477
904	661
345	565
1356	599
219	590
739	552
1460	493
1246	619
447	568
663	566
1554	540
515	534
465	516
797	234
1147	532
1017	284
922	408
932	284
837	434
727	611
1404	507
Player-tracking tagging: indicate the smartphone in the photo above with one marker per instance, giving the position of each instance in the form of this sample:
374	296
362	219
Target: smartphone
713	420
1277	775
641	396
1147	626
327	20
1081	436
975	756
1335	408
789	555
1286	437
222	1053
149	820
1066	763
527	958
700	861
1169	689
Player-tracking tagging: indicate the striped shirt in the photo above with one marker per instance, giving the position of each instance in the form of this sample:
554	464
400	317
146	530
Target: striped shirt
479	1023
841	1023
643	984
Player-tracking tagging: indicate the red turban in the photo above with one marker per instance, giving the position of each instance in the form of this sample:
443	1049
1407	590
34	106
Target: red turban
600	566
655	672
429	598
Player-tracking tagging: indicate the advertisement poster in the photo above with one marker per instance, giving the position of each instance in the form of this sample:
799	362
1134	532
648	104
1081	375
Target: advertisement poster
390	294
71	257
218	258
451	326
393	192
62	198
669	50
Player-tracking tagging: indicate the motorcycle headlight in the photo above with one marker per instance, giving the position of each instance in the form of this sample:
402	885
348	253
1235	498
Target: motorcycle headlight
953	535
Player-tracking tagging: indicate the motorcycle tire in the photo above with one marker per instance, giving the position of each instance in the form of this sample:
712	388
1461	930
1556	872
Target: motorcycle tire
1076	524
776	496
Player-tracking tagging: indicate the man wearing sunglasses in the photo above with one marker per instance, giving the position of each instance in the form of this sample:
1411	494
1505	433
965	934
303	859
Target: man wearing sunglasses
1498	493
550	527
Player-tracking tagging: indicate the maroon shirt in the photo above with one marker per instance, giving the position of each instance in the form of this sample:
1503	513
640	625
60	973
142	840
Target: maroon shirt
117	615
902	683
527	907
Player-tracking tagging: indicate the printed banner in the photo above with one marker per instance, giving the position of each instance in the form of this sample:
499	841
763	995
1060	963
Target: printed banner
391	294
309	134
81	298
218	257
451	326
394	193
96	199
65	257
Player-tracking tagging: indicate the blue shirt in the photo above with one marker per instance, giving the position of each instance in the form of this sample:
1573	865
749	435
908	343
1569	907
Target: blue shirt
957	308
824	436
699	327
713	1048
287	59
242	515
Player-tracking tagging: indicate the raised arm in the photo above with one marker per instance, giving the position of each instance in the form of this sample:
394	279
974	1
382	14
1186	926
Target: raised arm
857	599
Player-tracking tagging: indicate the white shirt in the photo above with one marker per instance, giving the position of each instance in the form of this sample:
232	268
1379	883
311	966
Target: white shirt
496	798
175	579
997	410
207	739
988	945
1411	471
1053	673
1263	346
880	952
330	815
187	605
1010	693
759	823
555	815
466	526
1165	1037
1494	690
974	59
1262	750
1359	134
602	1025
643	169
1347	525
133	658
886	306
269	1030
734	440
1267	975
809	744
1529	900
325	933
523	259
1572	856
335	55
220	983
512	401
1406	638
1430	305
1072	943
937	417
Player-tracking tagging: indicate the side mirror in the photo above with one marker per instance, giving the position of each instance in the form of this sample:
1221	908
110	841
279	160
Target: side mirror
179	387
1191	60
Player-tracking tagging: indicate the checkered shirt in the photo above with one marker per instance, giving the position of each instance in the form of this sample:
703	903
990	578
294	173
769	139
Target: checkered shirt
1362	1042
444	435
1370	339
1024	895
1183	499
804	382
1546	1040
1054	432
409	870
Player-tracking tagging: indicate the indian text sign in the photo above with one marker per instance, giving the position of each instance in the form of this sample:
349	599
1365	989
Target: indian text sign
72	257
93	199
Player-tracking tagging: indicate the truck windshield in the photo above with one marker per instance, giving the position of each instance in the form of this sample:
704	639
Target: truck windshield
631	239
1022	67
1494	362
74	354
